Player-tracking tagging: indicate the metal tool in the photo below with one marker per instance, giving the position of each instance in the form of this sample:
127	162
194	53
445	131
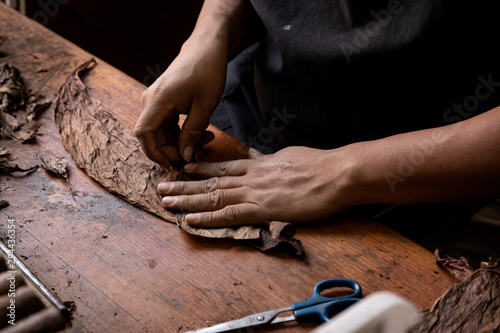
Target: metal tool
317	308
37	309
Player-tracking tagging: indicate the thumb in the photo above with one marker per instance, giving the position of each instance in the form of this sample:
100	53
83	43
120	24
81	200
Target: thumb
193	132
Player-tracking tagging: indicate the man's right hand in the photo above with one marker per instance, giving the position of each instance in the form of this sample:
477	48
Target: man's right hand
194	82
193	85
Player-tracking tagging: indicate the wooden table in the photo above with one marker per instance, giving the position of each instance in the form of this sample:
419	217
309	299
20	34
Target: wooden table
129	271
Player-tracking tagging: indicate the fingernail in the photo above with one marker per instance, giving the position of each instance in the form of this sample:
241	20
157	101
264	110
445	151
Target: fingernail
168	201
188	153
192	218
164	188
189	167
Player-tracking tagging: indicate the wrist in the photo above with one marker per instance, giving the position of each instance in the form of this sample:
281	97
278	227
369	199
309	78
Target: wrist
360	182
202	43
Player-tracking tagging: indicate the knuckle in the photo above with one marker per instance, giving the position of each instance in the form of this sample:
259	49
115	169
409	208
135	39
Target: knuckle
212	184
215	198
185	202
178	187
138	131
231	213
225	167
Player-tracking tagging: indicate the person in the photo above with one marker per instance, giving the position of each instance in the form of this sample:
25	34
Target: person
355	103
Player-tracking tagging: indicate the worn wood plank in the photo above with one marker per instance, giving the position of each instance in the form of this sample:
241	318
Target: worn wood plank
130	271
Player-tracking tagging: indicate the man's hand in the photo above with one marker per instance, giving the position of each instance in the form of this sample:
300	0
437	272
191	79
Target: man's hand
449	163
295	184
192	85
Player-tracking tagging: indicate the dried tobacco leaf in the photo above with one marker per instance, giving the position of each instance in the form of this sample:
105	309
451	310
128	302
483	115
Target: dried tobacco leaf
278	233
11	89
109	154
458	268
18	106
7	167
471	306
55	165
4	152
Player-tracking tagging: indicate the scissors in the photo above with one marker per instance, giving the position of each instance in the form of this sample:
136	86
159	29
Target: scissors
316	308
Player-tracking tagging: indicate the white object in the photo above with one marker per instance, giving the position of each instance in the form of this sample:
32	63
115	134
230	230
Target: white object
381	312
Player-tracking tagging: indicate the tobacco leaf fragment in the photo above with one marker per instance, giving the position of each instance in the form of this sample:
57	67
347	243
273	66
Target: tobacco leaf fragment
18	106
458	268
4	152
55	165
11	88
112	156
278	233
471	306
58	166
70	306
7	167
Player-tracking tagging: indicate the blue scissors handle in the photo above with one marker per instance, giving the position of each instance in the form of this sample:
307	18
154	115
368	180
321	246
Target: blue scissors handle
322	308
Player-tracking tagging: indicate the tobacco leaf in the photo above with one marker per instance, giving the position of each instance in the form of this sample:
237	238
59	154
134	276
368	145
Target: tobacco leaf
112	156
4	152
471	306
278	233
7	167
458	267
18	106
56	165
3	203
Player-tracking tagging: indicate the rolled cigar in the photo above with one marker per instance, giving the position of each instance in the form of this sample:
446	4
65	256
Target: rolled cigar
45	321
17	305
10	281
3	264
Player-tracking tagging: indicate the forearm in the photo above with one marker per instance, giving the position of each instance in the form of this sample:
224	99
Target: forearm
232	24
455	162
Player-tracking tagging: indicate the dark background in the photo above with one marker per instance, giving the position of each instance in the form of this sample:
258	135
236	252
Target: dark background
141	38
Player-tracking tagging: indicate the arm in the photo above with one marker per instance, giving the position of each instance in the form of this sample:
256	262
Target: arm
455	162
231	23
193	84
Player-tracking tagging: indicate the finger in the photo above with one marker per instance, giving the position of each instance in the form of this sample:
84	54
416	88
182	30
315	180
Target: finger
253	154
219	169
147	125
172	154
192	131
199	152
151	150
207	137
197	187
211	201
240	214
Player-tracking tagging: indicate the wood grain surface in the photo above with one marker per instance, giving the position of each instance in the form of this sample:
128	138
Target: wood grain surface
129	271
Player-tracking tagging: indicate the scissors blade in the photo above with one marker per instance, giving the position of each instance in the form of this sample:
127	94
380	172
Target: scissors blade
268	317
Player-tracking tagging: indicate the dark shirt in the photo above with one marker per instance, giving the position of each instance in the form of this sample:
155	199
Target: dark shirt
334	72
330	73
